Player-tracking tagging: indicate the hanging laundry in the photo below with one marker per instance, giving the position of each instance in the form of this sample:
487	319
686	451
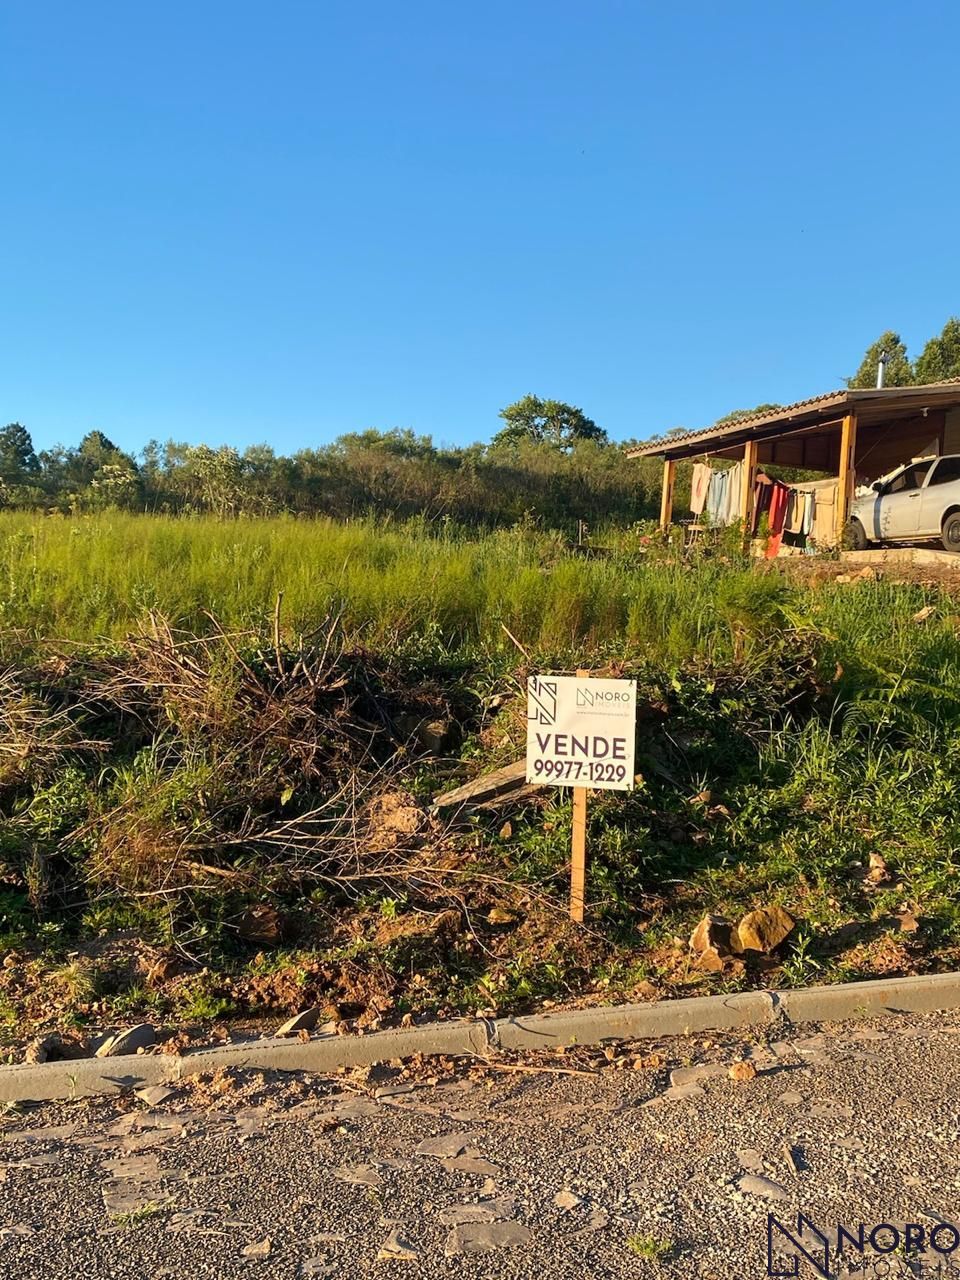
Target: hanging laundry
777	516
699	484
810	502
734	485
762	488
716	504
793	522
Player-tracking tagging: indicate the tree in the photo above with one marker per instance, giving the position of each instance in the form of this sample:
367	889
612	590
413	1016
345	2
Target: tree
18	462
547	422
738	415
898	371
940	358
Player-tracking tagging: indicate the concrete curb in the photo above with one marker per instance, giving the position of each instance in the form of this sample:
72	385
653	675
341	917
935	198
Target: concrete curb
90	1076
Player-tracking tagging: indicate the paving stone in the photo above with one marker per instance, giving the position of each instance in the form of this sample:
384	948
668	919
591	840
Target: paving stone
396	1249
358	1175
471	1164
491	1210
480	1237
752	1184
446	1146
681	1076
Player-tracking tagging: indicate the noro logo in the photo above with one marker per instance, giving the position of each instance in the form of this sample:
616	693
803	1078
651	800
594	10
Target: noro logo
788	1248
606	698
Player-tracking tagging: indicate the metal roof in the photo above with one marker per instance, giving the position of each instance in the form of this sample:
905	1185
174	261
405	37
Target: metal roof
871	403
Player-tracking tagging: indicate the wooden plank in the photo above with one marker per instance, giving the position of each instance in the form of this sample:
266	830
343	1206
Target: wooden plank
666	495
747	480
845	486
485	788
578	848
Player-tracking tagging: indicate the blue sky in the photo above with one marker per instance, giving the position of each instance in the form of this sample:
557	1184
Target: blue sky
242	222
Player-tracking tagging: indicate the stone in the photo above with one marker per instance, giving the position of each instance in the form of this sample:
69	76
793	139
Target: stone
395	1249
499	915
490	1210
305	1020
714	933
742	1071
433	735
128	1041
750	1160
790	1099
446	1146
753	1184
154	1094
358	1175
261	1249
679	1093
566	1201
680	1076
710	961
471	1164
764	929
923	614
481	1237
394	1090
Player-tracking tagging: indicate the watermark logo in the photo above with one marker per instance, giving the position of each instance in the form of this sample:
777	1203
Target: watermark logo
881	1249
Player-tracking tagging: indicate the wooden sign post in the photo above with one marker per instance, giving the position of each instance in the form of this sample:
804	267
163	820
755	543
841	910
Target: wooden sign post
581	732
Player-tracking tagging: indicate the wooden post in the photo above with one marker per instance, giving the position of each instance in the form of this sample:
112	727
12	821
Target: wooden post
847	479
666	495
747	483
578	856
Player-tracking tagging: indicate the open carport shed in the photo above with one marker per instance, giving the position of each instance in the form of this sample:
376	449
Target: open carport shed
853	435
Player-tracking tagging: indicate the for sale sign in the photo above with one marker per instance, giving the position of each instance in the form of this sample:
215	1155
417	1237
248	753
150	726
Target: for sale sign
581	731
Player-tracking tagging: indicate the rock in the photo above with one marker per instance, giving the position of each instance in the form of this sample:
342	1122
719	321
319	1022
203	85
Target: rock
754	1184
868	573
262	923
679	1093
259	1250
433	735
764	929
908	922
154	1094
750	1160
790	1099
878	873
394	1249
694	1075
743	1071
923	614
358	1175
713	932
843	577
128	1041
43	1048
394	1090
499	915
471	1164
446	1146
566	1200
305	1020
480	1237
506	831
490	1210
710	961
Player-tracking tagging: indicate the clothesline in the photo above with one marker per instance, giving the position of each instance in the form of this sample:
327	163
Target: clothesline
788	509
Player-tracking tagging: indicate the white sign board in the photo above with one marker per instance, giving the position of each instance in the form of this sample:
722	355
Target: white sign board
581	731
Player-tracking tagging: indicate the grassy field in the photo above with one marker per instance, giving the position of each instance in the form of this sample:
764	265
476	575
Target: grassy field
196	821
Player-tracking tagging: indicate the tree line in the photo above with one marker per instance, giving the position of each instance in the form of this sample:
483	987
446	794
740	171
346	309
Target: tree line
549	462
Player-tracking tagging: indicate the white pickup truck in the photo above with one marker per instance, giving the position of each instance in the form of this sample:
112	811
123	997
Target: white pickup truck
917	502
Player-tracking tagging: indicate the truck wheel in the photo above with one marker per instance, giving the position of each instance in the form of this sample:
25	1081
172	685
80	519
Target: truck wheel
950	533
856	537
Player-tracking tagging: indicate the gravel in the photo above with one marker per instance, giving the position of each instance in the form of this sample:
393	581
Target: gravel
506	1171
